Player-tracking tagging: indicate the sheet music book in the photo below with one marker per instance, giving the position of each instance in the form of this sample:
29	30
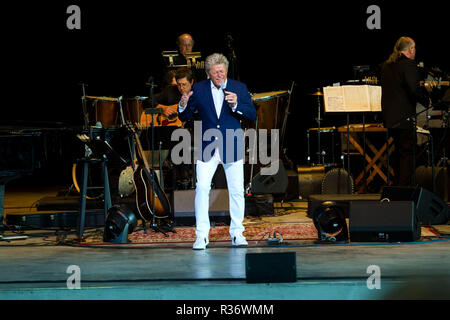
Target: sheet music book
358	98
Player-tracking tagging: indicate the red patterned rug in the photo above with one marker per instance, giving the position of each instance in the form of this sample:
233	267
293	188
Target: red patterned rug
260	232
257	232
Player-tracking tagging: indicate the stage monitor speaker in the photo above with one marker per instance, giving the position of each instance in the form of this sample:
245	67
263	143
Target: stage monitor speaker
120	222
341	200
383	221
273	184
271	267
430	209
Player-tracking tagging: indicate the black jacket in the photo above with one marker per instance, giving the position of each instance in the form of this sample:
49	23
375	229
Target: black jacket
400	92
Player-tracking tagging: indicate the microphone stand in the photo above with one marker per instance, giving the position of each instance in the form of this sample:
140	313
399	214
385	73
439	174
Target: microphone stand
152	85
233	59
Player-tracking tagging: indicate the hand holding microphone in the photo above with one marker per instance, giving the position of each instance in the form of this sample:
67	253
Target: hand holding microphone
230	97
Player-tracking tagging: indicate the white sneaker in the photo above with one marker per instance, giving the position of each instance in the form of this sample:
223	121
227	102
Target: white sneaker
200	243
239	241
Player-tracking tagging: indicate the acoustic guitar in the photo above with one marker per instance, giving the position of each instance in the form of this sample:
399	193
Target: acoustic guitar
161	120
144	179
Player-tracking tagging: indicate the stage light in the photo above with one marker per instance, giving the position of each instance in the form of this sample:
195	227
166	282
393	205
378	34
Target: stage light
329	220
120	222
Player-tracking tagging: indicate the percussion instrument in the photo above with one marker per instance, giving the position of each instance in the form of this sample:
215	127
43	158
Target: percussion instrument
327	153
269	108
103	111
132	109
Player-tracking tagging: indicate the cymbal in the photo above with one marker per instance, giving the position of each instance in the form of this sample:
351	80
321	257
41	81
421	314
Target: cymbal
318	93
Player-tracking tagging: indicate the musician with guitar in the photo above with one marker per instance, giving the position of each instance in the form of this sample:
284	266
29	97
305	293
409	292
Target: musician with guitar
169	97
221	103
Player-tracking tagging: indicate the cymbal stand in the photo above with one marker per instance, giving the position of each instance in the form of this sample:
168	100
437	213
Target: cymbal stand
286	114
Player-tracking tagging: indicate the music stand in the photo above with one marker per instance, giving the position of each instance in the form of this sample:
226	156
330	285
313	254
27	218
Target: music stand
347	99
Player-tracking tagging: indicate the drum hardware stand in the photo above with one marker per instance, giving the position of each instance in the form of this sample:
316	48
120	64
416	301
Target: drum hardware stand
320	156
286	114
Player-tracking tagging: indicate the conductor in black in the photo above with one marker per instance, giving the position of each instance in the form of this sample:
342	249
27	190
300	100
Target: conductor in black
400	85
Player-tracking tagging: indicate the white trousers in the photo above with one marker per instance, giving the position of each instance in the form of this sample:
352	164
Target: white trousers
235	180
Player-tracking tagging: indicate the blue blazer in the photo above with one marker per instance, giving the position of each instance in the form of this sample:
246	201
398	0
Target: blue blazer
216	127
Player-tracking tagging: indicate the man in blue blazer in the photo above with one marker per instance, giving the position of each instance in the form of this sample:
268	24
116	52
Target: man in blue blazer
221	103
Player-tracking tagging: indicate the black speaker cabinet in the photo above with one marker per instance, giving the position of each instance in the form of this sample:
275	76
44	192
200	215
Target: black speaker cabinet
271	267
273	184
375	221
430	209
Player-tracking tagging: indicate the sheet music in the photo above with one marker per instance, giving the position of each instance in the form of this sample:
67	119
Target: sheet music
334	99
356	98
375	98
352	98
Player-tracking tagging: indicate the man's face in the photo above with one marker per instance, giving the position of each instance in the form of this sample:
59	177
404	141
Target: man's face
218	74
411	52
185	45
184	86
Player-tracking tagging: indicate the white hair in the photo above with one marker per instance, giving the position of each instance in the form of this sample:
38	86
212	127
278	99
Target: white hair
215	58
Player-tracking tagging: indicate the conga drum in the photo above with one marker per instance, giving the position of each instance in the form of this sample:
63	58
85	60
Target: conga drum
132	109
269	108
104	112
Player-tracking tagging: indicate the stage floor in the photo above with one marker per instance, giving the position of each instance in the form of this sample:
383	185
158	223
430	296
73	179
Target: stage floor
37	268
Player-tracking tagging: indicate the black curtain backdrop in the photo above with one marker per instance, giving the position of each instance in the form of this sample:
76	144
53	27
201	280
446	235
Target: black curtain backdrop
119	47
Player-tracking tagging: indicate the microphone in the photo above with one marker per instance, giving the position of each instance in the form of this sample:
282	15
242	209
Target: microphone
223	86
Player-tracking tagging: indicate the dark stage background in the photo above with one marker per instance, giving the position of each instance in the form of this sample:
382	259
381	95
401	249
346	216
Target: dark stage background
119	45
